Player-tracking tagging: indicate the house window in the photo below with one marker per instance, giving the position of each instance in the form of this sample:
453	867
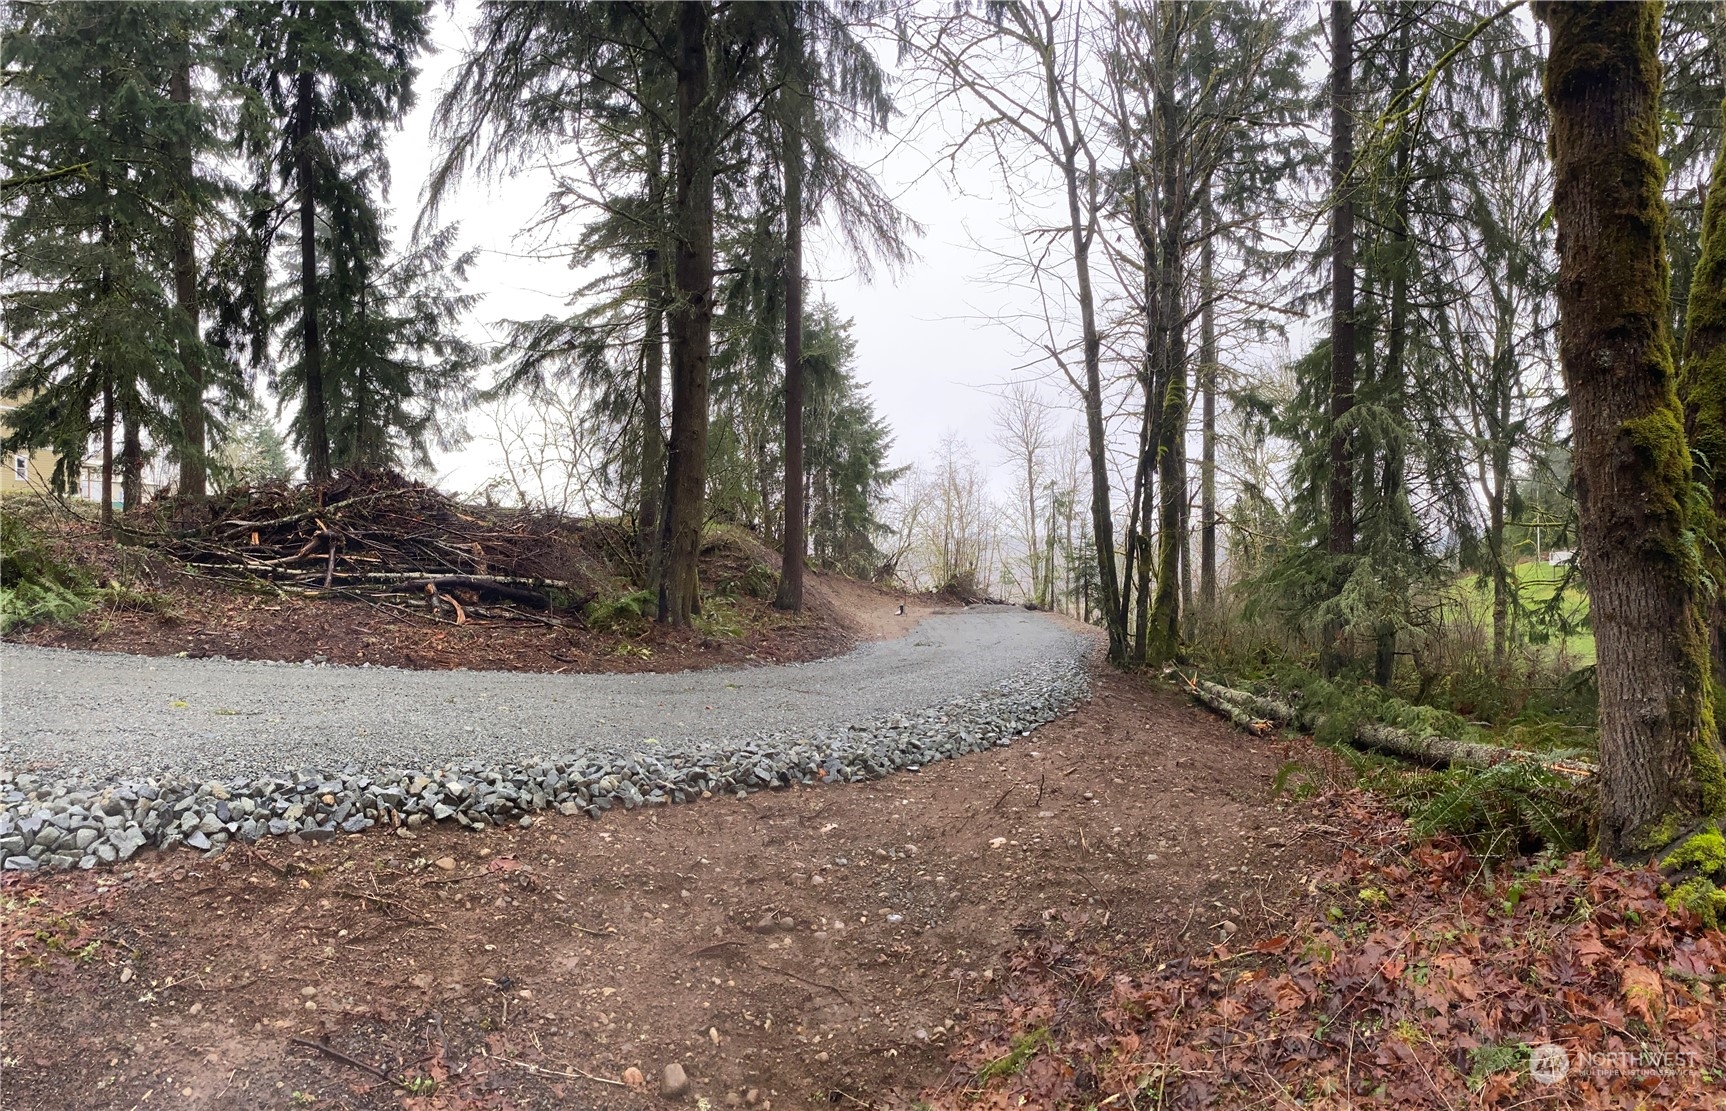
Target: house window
21	467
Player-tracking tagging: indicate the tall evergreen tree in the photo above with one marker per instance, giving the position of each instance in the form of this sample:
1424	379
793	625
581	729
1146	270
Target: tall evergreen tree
694	70
330	78
92	253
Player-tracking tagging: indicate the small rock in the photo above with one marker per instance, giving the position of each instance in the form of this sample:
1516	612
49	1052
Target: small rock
673	1082
632	1077
713	1034
447	863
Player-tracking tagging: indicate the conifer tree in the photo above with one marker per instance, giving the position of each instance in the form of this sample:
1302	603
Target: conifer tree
329	79
91	252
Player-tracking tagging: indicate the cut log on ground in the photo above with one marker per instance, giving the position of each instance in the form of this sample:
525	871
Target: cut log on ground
1248	710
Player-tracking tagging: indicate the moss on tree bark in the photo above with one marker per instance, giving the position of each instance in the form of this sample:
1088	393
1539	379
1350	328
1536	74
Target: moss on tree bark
1702	386
1661	765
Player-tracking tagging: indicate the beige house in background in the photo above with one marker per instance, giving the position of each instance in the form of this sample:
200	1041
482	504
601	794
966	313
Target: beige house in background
26	471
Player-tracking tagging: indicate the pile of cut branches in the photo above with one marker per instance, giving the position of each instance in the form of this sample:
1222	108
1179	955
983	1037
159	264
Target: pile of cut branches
383	538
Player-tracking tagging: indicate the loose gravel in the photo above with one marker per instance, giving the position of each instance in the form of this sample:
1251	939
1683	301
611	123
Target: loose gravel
123	752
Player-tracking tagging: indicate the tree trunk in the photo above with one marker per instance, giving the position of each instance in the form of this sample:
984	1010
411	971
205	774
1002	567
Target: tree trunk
131	458
1139	530
691	322
314	422
790	595
647	521
1495	551
193	480
1702	385
652	417
106	368
1392	495
1081	232
107	447
1660	757
1164	635
1208	415
1342	338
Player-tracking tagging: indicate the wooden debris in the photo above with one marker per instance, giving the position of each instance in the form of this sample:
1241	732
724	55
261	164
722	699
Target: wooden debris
377	536
1257	714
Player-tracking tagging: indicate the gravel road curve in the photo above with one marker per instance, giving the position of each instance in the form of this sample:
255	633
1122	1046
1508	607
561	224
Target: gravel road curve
89	715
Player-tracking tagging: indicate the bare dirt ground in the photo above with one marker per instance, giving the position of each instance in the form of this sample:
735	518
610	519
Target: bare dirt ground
798	949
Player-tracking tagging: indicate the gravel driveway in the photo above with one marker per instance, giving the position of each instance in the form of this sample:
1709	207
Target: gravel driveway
100	715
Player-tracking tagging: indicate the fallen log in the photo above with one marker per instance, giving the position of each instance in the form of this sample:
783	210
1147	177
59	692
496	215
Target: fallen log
1442	751
1214	699
1433	749
1268	708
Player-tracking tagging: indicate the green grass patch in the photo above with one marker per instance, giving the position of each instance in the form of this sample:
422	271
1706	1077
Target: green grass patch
1556	626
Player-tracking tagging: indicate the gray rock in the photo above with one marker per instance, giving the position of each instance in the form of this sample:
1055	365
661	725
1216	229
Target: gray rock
673	1081
126	842
197	840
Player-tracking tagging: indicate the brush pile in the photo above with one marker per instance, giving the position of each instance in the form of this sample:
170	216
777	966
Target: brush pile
382	538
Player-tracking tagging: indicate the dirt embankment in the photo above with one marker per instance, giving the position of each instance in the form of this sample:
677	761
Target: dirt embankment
258	595
798	949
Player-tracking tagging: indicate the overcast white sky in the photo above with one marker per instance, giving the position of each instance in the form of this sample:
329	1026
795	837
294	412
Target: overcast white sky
930	356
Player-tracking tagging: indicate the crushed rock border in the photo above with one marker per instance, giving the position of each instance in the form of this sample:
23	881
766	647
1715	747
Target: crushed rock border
60	826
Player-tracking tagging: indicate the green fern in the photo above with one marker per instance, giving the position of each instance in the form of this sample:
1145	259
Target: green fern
1499	808
35	587
625	612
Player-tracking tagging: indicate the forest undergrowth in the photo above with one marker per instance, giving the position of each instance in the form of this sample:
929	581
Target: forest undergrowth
1418	974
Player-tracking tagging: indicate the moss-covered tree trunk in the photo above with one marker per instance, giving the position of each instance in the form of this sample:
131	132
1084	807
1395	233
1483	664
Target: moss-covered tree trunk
1702	386
1661	768
1162	638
